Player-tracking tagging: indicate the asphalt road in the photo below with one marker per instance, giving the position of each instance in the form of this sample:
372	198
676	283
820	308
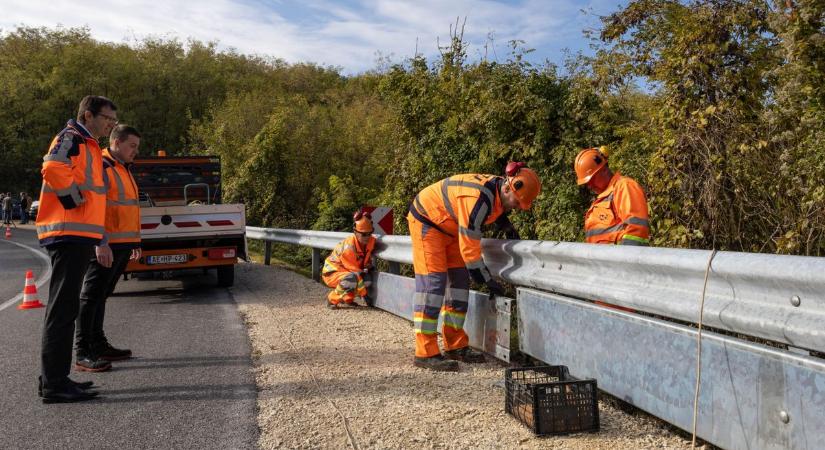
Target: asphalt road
15	259
190	384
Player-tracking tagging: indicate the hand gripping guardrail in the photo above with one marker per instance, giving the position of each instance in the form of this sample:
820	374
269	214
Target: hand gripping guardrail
752	395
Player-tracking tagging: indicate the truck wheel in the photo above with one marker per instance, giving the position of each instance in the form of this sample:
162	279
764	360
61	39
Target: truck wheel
226	276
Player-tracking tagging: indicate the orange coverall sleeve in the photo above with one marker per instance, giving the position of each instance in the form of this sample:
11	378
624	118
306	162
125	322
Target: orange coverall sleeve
472	212
631	207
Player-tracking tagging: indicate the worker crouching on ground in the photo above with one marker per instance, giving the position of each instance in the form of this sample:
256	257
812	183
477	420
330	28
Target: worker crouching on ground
348	269
618	215
445	226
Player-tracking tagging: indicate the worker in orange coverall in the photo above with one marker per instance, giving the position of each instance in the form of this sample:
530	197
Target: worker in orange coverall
445	226
619	214
348	269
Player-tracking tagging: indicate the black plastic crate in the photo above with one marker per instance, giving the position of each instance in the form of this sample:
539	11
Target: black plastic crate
549	401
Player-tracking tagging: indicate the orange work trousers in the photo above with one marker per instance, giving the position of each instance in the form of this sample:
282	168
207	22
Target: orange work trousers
437	261
345	286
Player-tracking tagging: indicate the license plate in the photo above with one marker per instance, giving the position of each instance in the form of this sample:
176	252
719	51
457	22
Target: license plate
166	259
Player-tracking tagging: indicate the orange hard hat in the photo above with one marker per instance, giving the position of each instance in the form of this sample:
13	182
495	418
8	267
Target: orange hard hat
363	222
588	162
524	182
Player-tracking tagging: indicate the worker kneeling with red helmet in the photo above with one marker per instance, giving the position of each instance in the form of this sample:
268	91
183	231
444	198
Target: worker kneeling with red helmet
445	226
348	269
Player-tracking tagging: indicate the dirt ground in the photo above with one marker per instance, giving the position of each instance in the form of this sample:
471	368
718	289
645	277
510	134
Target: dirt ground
344	379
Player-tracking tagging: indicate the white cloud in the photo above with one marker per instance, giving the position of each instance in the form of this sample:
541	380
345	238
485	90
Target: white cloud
321	31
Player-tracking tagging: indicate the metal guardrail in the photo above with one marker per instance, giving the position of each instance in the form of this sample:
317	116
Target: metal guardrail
752	395
774	297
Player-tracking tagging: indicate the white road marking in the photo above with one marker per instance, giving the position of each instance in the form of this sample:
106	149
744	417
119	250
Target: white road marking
40	281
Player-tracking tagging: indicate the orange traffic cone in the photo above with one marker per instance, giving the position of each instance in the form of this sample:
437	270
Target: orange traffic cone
30	294
8	231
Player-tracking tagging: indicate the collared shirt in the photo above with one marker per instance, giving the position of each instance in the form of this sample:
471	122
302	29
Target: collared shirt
83	127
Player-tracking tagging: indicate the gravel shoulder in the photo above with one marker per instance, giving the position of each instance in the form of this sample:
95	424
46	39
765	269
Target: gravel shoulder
345	379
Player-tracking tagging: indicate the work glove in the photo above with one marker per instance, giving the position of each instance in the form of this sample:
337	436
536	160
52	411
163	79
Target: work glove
494	287
511	233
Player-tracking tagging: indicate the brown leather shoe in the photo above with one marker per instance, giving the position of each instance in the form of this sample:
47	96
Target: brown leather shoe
108	353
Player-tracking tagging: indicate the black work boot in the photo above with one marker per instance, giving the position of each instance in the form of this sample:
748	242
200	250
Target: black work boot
106	352
68	393
88	363
437	363
465	354
82	385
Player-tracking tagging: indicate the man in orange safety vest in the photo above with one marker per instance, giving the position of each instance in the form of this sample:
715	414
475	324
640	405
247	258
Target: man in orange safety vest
121	242
70	223
445	222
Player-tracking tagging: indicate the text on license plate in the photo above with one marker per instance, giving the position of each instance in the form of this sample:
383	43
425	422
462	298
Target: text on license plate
166	259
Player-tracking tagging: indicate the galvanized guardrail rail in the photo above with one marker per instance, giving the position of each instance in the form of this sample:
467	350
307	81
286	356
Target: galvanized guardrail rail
753	395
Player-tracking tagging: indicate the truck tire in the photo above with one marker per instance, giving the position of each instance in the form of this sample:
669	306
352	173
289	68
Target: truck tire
226	276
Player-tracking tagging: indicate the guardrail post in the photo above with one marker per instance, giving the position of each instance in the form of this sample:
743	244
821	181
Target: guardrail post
316	264
267	252
394	268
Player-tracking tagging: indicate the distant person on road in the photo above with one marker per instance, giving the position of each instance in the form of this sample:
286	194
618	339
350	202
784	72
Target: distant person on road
348	269
619	214
7	208
24	208
445	226
70	223
120	243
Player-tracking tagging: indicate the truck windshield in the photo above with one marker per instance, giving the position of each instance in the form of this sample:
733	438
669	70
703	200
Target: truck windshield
162	181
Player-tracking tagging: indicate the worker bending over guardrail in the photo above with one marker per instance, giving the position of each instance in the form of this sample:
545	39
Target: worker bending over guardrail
445	226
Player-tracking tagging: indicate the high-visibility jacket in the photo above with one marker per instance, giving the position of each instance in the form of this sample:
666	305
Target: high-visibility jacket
459	206
618	215
73	197
122	208
349	256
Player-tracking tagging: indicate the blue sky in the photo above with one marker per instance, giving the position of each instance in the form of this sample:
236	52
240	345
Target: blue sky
346	34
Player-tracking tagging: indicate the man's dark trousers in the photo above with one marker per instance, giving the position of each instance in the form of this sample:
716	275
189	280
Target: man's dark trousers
69	263
98	285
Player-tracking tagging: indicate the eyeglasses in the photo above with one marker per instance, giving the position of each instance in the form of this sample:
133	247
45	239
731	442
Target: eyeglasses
365	234
108	117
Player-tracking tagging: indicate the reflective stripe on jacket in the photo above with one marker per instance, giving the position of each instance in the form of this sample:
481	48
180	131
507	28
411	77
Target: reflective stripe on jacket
459	206
618	215
73	197
349	256
122	209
